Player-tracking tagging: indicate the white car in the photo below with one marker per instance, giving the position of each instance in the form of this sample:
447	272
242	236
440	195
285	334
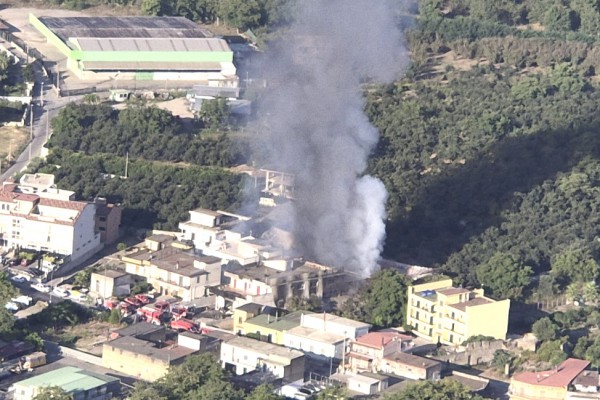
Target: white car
20	279
11	306
40	287
60	292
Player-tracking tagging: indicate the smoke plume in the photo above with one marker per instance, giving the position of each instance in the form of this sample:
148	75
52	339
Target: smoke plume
316	128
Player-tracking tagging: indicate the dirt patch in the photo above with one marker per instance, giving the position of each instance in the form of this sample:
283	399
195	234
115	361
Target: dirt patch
90	336
12	140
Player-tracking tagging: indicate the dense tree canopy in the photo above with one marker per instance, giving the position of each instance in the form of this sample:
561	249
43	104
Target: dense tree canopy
441	390
144	132
153	194
381	301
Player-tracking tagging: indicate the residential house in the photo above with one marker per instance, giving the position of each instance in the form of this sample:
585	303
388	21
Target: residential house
367	352
175	272
324	335
366	383
245	312
243	355
271	326
411	366
449	315
547	385
77	382
108	220
109	282
36	215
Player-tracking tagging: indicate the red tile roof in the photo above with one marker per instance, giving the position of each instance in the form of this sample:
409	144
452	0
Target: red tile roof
26	197
70	205
477	301
561	376
378	339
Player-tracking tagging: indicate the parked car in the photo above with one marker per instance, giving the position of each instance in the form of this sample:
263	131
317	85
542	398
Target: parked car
20	279
133	301
145	299
40	287
12	306
77	295
60	291
25	301
185	325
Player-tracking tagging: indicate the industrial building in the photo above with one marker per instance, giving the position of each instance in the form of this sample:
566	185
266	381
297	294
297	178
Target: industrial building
140	48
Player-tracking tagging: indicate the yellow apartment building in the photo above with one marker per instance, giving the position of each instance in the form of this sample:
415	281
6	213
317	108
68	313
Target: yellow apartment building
449	315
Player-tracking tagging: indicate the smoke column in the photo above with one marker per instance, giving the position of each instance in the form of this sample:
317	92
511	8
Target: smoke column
316	128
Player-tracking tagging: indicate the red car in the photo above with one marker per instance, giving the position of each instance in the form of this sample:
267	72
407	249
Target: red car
185	325
134	301
143	298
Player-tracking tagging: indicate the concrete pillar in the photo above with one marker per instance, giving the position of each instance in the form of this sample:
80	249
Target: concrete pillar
306	285
320	285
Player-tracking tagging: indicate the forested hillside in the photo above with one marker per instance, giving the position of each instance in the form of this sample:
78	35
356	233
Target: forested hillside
490	144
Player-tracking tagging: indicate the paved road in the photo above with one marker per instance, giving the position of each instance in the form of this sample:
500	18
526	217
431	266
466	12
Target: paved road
41	127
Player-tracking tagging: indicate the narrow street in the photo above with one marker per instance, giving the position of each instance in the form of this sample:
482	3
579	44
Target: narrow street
44	107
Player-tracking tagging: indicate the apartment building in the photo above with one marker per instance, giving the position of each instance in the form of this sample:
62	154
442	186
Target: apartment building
35	215
450	315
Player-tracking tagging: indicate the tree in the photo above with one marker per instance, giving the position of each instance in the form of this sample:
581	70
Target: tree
297	303
263	392
545	329
501	359
333	393
82	278
551	351
115	316
440	390
575	264
505	275
384	299
215	113
240	14
53	393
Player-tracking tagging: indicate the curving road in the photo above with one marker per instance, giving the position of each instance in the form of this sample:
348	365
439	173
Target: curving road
42	110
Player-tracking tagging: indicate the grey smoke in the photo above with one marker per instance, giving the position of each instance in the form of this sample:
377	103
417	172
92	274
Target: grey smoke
317	130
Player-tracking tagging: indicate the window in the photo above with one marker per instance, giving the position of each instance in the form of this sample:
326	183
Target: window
102	219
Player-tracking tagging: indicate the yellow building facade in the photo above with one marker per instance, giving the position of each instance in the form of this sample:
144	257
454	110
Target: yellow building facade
449	315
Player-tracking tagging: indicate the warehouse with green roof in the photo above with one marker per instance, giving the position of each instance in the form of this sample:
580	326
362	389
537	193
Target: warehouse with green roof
79	383
140	48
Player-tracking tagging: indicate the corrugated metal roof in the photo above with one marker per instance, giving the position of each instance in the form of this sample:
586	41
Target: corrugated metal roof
154	44
69	378
150	66
118	27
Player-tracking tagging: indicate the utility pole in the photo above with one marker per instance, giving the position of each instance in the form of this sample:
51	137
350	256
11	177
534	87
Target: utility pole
30	131
47	126
42	96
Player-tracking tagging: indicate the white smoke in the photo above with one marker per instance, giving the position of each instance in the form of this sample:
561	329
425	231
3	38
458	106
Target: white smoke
318	131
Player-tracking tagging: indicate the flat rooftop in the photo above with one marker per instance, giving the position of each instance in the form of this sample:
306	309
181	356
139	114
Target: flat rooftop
281	323
70	379
123	27
264	347
169	353
152	44
316	335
